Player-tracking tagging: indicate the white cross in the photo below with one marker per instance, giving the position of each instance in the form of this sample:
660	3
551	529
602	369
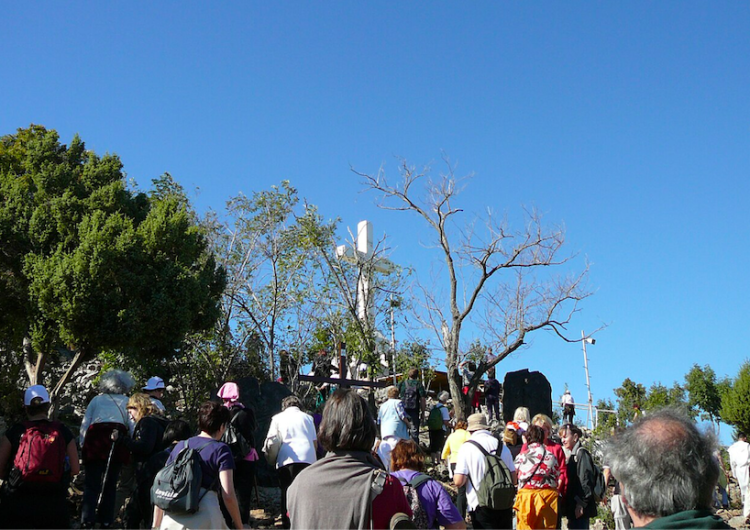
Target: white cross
364	253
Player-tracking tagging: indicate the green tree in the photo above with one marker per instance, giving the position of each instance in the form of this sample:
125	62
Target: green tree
660	396
704	393
92	265
628	395
735	401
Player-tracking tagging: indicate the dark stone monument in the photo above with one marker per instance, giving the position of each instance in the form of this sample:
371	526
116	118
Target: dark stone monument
265	400
526	389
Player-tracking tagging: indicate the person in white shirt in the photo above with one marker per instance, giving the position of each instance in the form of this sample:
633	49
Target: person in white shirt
471	468
739	459
569	409
296	430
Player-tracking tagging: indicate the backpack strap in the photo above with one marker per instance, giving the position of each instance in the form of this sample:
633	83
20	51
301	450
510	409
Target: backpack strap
377	485
417	480
486	455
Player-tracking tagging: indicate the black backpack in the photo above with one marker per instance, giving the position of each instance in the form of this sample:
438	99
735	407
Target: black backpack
177	486
411	394
232	436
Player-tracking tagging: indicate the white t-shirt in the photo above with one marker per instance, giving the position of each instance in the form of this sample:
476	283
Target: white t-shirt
567	399
471	462
297	432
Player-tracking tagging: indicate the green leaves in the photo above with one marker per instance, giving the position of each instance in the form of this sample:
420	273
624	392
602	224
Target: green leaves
88	263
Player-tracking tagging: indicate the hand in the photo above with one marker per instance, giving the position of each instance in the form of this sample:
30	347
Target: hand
579	511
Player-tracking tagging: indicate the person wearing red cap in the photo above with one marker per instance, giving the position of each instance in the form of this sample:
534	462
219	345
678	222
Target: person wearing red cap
34	491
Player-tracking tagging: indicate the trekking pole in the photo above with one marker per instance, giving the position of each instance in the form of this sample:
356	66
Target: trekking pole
114	436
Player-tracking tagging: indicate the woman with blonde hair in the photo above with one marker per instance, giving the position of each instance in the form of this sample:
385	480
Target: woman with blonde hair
147	440
450	453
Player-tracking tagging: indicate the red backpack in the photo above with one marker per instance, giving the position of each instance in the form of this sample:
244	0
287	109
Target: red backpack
40	459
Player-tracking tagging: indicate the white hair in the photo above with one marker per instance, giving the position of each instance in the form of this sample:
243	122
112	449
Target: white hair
116	382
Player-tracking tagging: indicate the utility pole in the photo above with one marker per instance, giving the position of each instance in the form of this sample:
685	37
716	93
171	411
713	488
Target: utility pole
590	420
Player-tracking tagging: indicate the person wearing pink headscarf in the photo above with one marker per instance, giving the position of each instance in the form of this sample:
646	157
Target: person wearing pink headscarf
242	419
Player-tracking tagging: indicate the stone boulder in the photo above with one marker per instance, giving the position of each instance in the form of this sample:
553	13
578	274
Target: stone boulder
526	389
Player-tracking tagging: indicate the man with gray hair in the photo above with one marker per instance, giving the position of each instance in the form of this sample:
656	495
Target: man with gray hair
667	472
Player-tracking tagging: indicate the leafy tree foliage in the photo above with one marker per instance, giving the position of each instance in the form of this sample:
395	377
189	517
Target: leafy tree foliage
628	395
91	265
735	401
704	392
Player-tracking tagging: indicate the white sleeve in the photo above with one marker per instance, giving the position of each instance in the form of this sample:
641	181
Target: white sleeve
462	466
87	419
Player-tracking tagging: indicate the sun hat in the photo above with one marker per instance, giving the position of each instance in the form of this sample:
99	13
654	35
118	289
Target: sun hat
36	391
477	422
154	383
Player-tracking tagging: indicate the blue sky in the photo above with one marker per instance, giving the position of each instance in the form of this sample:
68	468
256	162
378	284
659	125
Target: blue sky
626	122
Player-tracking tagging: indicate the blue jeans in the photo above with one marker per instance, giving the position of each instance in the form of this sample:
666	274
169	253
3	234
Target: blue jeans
415	415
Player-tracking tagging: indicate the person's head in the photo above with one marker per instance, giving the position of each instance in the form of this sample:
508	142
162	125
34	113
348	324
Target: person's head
36	401
477	422
155	387
522	414
291	401
665	464
213	418
347	423
229	393
535	435
413	373
741	436
391	392
461	425
443	397
491	373
543	421
116	382
140	406
176	431
407	455
570	435
510	436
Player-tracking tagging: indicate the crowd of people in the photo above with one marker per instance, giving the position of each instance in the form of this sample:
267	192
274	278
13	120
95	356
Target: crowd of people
349	467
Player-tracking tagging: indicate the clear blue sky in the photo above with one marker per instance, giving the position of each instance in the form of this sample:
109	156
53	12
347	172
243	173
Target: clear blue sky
626	121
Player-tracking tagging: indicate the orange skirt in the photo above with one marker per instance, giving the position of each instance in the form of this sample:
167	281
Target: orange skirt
536	508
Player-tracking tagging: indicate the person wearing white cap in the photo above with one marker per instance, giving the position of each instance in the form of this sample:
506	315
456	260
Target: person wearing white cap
569	408
471	468
155	390
35	488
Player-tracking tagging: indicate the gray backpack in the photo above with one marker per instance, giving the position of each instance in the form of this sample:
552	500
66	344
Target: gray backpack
177	487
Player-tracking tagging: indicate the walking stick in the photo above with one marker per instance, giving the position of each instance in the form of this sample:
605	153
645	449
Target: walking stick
114	436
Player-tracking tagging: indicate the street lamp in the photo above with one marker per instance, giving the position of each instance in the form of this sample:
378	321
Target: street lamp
588	340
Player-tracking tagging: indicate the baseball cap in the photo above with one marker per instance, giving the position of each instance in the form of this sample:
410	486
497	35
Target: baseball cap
36	391
154	383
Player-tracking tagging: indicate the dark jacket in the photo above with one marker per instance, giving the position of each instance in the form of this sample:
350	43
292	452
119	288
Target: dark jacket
580	483
147	437
689	519
243	418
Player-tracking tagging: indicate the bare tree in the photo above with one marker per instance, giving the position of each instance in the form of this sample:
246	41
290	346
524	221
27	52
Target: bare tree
491	269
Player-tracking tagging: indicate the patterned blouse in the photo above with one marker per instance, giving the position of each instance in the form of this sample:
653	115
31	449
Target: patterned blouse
544	476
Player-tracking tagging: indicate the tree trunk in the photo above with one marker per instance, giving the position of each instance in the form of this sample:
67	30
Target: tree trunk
81	355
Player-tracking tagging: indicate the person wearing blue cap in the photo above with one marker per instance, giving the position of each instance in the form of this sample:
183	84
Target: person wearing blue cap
155	390
38	457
